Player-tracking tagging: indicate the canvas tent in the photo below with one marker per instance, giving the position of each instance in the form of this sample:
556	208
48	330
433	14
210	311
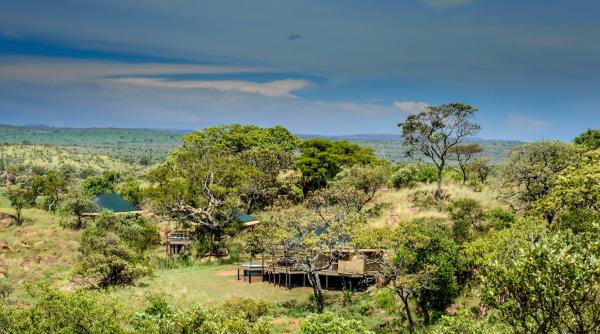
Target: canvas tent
114	203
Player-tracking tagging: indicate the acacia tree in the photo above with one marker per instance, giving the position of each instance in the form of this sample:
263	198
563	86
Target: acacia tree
481	168
73	207
312	237
463	154
532	170
20	198
435	131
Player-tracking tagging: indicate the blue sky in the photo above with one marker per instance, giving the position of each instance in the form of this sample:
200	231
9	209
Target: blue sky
322	67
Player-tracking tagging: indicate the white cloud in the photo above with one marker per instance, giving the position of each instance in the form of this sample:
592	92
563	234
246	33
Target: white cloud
411	106
271	88
517	122
441	4
45	70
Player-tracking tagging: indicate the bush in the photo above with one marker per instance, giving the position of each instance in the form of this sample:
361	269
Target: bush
249	309
54	311
404	176
330	323
6	288
465	214
43	202
464	323
499	219
112	250
161	318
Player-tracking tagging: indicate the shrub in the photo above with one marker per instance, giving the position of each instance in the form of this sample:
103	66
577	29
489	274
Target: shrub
161	318
250	309
466	214
330	323
499	219
112	250
54	311
6	288
465	323
404	176
43	202
425	199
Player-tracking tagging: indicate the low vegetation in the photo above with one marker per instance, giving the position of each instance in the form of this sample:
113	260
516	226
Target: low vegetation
466	245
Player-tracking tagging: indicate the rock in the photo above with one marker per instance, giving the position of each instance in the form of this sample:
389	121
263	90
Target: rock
7	219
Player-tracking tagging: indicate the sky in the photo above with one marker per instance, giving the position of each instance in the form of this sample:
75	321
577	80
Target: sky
331	67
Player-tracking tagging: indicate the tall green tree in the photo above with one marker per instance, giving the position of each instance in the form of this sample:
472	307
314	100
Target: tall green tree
590	139
20	198
435	131
420	264
312	237
216	171
532	170
576	188
73	207
321	160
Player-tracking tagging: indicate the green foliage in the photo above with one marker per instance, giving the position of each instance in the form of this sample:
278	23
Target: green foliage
54	311
240	316
437	130
131	191
500	219
6	289
590	139
465	323
550	284
466	214
330	323
20	198
76	203
98	185
532	171
480	168
217	170
421	264
577	187
321	160
112	250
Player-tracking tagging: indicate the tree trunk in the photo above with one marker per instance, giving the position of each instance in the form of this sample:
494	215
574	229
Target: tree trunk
549	217
438	192
463	169
313	278
411	322
425	310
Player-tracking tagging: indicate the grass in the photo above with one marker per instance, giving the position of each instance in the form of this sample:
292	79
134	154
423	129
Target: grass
401	209
206	284
38	250
50	157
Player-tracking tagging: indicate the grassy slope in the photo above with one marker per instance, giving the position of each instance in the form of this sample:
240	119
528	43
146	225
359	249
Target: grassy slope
54	157
38	250
41	249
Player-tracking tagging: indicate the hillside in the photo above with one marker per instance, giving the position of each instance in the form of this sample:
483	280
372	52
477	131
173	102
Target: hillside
151	146
50	157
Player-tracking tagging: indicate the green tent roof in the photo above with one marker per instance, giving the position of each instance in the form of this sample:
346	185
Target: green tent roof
113	202
244	217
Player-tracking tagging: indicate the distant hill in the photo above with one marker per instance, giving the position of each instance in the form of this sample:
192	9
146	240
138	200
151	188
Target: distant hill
153	145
